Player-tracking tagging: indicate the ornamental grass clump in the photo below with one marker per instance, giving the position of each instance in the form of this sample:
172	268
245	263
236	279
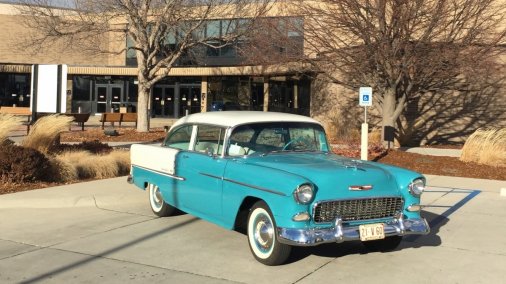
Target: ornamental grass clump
122	158
85	165
486	146
8	123
45	132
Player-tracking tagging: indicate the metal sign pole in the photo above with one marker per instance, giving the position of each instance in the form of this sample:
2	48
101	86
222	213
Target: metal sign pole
364	137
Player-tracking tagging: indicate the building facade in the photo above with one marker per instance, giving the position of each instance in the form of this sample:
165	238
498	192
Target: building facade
99	83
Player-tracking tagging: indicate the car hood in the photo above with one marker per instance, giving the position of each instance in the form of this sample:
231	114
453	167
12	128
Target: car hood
334	176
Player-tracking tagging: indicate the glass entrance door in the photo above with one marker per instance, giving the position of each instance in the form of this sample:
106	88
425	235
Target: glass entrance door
189	99
109	97
163	101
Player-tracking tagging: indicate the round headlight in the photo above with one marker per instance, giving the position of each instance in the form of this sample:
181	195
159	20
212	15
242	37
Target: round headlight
304	193
417	186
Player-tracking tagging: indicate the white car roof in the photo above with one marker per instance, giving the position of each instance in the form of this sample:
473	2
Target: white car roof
234	118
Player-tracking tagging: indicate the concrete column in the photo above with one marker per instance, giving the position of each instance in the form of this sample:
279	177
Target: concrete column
295	94
177	100
203	98
266	93
69	94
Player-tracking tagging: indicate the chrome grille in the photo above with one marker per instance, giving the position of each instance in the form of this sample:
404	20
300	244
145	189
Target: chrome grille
357	209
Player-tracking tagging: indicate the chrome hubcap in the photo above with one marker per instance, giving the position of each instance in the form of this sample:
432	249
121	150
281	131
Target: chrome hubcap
264	233
156	196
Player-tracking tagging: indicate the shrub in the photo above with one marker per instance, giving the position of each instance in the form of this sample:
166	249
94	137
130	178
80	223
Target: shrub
45	132
7	124
19	164
486	146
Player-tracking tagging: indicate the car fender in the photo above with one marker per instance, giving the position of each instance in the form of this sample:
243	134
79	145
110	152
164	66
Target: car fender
273	186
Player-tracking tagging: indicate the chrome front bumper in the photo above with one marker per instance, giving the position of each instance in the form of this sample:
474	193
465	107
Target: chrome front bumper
339	233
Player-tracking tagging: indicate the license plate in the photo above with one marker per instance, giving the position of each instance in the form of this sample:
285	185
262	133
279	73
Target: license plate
371	232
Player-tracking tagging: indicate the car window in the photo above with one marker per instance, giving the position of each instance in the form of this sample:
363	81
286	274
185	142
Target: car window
303	138
179	138
240	141
272	137
242	135
210	139
277	136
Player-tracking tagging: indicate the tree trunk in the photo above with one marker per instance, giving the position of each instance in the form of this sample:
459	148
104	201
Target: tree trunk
142	108
388	122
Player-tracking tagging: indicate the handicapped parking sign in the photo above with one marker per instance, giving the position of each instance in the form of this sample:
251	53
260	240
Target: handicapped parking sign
365	96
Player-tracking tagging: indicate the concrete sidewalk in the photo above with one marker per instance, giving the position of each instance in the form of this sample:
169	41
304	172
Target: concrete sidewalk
433	151
104	231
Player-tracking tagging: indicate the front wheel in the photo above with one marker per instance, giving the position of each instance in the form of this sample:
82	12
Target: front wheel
158	205
262	237
384	245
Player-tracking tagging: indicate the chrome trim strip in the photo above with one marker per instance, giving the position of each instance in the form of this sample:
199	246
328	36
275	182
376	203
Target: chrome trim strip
339	233
161	173
244	184
255	187
211	176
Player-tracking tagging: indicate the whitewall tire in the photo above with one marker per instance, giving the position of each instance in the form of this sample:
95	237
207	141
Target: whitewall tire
262	237
158	205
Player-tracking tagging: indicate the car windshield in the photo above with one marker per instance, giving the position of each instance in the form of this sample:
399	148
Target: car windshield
263	138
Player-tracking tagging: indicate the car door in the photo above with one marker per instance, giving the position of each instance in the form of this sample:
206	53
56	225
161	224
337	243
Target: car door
203	167
180	139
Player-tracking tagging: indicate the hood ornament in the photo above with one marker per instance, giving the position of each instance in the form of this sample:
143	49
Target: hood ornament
360	187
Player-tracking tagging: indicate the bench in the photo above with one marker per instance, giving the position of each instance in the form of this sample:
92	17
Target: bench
118	117
80	118
18	111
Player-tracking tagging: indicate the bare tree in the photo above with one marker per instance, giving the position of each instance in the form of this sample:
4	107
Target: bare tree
406	50
161	31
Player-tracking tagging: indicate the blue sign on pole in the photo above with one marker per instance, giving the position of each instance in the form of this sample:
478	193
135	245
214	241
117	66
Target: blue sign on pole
365	96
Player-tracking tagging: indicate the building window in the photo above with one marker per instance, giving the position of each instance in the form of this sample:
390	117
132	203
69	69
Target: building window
282	35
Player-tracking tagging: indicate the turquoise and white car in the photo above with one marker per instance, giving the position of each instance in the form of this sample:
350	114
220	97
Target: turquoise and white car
274	176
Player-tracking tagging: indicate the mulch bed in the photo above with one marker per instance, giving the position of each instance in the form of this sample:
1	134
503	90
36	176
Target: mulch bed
124	135
445	166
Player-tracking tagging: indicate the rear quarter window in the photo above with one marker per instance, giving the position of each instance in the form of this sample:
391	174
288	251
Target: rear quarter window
179	138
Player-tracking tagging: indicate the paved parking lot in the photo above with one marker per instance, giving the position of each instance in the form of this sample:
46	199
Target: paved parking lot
104	231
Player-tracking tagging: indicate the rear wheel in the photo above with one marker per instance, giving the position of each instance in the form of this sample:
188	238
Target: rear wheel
158	205
262	237
384	245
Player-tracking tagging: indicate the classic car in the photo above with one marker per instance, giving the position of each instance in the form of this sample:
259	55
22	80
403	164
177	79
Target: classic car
274	176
